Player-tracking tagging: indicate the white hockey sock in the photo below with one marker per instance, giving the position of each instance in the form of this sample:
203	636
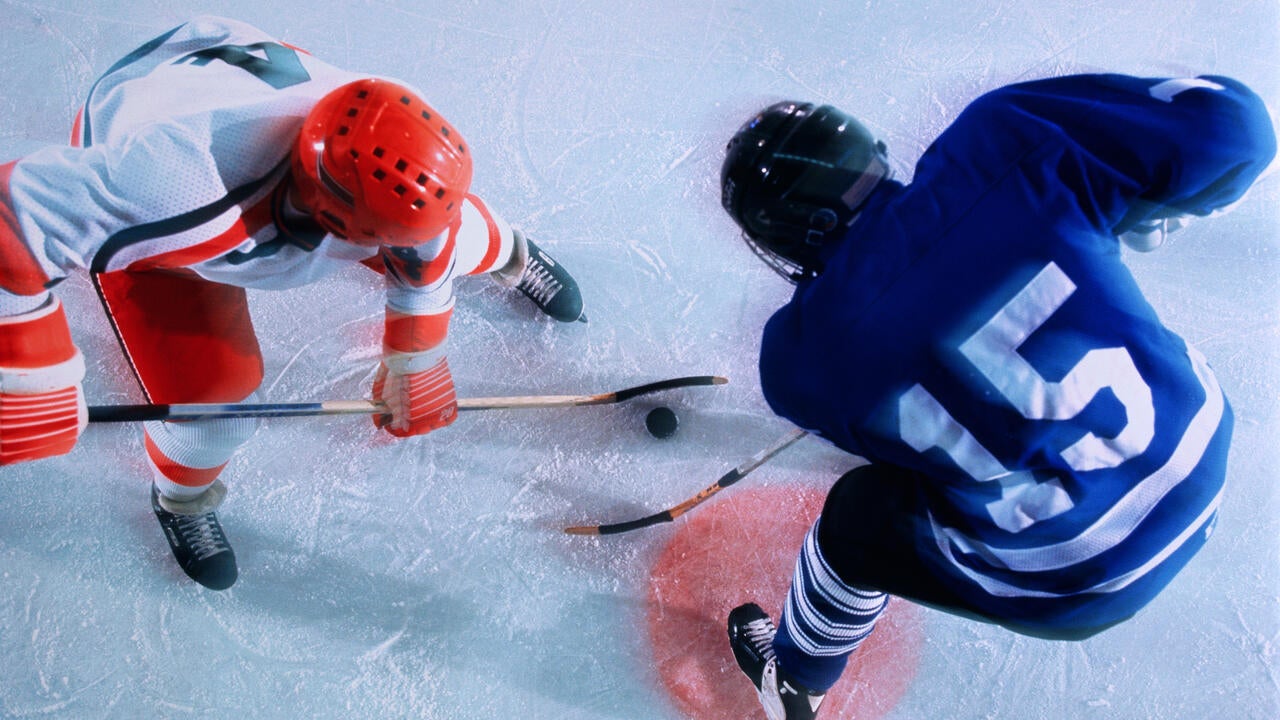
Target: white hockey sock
509	275
186	457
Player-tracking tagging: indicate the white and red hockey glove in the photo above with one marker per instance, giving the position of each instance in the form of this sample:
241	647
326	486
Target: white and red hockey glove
42	408
414	379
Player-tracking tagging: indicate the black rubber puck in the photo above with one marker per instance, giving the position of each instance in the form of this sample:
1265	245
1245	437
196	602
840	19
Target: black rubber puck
661	422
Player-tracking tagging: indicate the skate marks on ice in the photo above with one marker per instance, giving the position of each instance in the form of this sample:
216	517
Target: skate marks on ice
742	548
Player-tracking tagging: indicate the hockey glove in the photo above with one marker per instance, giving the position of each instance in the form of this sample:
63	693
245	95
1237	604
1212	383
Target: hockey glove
1151	234
418	391
42	408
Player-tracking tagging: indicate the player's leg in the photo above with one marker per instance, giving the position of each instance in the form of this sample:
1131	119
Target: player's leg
823	622
188	340
825	617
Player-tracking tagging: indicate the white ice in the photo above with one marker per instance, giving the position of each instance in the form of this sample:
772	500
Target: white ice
429	577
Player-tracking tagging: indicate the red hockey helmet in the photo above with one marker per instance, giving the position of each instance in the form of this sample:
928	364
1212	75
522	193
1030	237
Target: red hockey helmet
376	165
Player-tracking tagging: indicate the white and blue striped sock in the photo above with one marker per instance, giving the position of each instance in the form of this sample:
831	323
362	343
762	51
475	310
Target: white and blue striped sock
824	620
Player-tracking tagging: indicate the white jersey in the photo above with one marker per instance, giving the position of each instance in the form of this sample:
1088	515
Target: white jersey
178	160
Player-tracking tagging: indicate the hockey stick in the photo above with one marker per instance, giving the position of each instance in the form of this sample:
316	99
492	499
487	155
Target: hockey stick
200	411
672	513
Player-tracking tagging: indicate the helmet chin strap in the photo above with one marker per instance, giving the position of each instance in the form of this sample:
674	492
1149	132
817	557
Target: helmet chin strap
821	221
292	206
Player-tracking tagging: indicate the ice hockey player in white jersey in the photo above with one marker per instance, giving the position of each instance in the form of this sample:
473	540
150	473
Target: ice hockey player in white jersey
1044	454
216	158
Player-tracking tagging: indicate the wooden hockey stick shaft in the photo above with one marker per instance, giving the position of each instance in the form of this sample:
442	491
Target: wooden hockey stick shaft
676	511
210	411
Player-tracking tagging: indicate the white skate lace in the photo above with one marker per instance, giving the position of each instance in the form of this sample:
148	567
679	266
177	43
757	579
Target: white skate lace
538	283
201	534
760	634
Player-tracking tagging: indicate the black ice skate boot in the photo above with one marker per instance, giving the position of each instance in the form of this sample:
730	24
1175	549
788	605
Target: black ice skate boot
751	637
198	544
547	284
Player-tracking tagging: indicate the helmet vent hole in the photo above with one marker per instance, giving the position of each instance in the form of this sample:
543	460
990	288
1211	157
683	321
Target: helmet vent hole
419	204
404	99
426	115
444	131
379	174
440	195
399	189
379	152
362	94
401	165
462	149
344	130
422	179
352	112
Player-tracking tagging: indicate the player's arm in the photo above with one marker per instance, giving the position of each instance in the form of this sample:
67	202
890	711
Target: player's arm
1232	143
42	408
413	378
1152	149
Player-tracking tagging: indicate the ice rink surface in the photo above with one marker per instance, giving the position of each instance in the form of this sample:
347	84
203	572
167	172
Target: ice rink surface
429	578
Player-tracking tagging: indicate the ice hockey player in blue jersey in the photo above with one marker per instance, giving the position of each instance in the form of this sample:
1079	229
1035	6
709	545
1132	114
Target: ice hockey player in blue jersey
1043	453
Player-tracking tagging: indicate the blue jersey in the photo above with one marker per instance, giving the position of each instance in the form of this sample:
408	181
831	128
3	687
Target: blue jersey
978	327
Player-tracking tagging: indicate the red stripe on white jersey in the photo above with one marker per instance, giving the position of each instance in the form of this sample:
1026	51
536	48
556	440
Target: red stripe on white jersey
253	219
415	333
437	268
495	237
77	127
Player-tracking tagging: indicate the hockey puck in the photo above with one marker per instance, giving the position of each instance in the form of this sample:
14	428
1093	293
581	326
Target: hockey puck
661	422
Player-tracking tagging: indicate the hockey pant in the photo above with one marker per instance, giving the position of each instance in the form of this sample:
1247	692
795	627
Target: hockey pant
187	340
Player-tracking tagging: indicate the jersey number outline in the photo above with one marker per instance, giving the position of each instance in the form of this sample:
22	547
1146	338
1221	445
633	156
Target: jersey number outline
275	64
923	422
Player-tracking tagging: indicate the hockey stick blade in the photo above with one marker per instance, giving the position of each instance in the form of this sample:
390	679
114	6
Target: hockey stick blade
210	411
676	511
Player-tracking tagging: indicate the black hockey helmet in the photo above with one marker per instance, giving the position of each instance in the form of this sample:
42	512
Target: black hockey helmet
794	176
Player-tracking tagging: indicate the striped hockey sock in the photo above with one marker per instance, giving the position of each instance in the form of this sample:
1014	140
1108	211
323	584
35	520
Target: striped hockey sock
186	457
824	620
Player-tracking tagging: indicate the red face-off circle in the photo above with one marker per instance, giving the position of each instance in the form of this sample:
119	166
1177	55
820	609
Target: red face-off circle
742	547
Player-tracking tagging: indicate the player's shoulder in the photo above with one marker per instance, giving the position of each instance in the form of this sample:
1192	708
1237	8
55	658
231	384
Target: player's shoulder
1022	102
220	27
1077	92
215	29
1091	85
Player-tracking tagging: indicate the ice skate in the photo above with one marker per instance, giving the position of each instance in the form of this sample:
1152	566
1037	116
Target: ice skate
548	284
198	544
751	638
